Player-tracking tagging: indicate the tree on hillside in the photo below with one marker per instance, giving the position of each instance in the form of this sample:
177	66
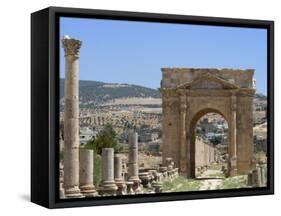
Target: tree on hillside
105	139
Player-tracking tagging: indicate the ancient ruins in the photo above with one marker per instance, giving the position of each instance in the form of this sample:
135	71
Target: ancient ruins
187	95
76	172
190	93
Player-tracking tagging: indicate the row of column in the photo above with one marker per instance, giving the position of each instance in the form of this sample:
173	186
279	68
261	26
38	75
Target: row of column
78	180
84	186
112	180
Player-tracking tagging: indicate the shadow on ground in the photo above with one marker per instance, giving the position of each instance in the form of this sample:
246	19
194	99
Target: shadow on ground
25	197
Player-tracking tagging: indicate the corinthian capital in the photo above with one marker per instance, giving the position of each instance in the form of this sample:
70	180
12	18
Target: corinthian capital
71	46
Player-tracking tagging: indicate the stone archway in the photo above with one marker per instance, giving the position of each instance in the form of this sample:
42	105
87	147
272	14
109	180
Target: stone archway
193	149
187	92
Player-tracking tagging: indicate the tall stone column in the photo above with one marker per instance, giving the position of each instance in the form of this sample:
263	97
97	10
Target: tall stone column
133	166
232	166
71	118
119	180
86	173
108	185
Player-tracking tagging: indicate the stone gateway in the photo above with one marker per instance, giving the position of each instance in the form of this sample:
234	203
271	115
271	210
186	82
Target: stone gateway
190	93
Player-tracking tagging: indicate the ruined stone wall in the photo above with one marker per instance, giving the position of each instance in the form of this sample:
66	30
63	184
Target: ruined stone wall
204	153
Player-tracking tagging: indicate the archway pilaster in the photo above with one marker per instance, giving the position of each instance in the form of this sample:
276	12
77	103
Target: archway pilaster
232	150
183	149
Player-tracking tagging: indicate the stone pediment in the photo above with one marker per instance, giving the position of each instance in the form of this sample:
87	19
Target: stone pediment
208	81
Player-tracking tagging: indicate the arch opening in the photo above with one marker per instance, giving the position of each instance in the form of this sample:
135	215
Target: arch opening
209	144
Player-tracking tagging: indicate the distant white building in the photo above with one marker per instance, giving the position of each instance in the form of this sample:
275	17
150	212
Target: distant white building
87	134
148	137
260	105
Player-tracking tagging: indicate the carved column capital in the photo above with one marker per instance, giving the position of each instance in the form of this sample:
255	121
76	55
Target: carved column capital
71	46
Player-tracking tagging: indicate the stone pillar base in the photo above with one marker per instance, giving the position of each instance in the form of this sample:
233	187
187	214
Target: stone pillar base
137	187
129	186
232	166
73	192
88	191
62	196
232	172
145	179
108	188
122	188
157	186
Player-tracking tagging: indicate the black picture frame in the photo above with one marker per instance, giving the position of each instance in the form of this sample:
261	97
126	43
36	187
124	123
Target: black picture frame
45	105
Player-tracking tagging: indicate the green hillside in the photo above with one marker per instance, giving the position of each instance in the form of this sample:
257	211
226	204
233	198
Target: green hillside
99	92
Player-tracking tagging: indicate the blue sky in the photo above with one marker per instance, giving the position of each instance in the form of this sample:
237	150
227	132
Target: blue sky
133	52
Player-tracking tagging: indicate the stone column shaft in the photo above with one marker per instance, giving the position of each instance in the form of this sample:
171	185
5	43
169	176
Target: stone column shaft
71	119
108	185
133	166
118	168
86	173
107	164
119	180
133	170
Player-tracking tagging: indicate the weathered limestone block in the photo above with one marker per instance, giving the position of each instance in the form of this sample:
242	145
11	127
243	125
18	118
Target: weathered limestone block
145	179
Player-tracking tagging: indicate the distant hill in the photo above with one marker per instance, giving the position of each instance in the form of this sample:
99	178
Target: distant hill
94	93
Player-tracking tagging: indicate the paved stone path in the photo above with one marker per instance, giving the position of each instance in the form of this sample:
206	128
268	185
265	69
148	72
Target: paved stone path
210	183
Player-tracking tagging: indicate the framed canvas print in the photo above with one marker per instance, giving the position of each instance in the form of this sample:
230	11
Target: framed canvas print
138	107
